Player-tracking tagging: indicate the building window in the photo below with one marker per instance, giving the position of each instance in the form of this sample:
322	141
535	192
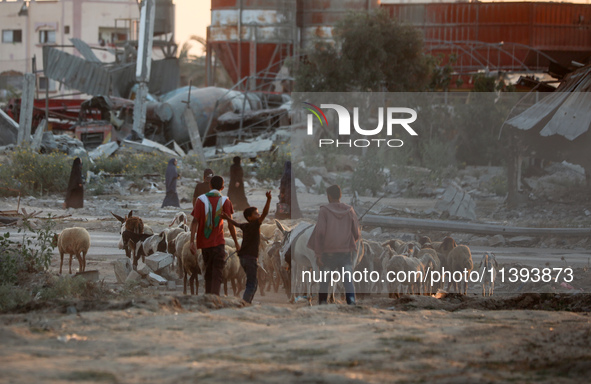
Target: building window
46	37
110	36
45	83
67	29
12	36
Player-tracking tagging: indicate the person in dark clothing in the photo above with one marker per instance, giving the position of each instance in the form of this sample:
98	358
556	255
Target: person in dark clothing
208	225
249	251
236	190
75	192
288	207
172	198
203	188
334	240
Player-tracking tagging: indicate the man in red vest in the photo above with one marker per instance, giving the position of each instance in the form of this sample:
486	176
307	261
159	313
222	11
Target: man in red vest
209	226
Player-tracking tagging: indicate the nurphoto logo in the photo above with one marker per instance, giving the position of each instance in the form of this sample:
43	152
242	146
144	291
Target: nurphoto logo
395	116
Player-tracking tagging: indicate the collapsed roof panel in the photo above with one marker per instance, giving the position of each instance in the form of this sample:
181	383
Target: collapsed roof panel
96	78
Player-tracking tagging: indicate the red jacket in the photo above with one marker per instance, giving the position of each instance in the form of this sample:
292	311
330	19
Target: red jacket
337	229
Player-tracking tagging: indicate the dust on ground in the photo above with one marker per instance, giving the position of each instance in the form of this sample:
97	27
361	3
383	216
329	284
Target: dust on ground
170	339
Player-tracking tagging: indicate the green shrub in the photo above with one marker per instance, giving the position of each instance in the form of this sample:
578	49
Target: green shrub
270	166
12	296
35	174
28	254
60	287
498	185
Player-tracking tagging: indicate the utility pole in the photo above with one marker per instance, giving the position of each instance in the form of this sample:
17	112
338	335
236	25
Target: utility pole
144	63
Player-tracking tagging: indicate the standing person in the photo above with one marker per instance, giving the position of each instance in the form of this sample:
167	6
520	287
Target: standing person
334	240
208	225
203	188
249	251
172	198
288	207
75	192
236	189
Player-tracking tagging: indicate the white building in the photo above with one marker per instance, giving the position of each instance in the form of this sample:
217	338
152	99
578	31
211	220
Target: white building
29	25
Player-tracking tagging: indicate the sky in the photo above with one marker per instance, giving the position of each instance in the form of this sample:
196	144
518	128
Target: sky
192	18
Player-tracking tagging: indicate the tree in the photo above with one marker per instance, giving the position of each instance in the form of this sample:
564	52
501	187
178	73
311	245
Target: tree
372	53
193	67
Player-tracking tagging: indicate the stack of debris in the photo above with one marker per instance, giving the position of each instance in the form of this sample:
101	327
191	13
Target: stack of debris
156	271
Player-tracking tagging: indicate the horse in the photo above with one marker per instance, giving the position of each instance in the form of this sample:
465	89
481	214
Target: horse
297	257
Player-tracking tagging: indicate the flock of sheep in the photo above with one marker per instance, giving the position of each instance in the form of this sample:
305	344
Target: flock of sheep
139	240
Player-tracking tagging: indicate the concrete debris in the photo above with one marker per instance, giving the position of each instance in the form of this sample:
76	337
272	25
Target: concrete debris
104	150
143	269
133	277
155	279
496	241
457	203
62	143
479	241
171	285
522	241
122	268
7	148
301	187
92	276
38	136
248	148
8	129
148	146
376	232
159	261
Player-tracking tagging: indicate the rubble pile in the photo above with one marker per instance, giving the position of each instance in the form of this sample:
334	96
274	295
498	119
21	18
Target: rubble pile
155	271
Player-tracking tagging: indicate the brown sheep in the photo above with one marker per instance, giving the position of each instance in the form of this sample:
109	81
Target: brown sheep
190	268
455	258
460	259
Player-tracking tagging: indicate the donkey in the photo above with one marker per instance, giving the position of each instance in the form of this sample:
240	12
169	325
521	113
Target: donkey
132	224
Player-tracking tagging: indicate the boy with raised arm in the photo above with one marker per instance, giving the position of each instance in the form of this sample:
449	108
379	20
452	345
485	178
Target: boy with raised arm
249	251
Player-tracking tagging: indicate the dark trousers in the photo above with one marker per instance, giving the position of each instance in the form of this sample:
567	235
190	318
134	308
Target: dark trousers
250	267
338	261
214	259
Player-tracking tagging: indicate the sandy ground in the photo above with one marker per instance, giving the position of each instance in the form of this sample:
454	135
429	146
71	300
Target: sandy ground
173	340
162	336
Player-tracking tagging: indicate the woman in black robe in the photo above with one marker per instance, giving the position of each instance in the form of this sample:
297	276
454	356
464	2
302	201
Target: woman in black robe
286	197
172	198
236	190
75	192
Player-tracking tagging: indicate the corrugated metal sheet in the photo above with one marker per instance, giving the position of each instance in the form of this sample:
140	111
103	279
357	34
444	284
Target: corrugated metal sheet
76	73
85	50
566	110
99	79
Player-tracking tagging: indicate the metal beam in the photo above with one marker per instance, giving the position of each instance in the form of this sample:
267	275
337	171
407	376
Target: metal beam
26	113
481	229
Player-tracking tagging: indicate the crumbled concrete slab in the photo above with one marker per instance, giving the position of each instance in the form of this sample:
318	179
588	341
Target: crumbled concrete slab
133	277
155	279
122	267
159	261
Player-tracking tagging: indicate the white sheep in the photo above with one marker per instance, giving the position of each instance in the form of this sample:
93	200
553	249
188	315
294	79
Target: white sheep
404	268
489	267
181	219
73	241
